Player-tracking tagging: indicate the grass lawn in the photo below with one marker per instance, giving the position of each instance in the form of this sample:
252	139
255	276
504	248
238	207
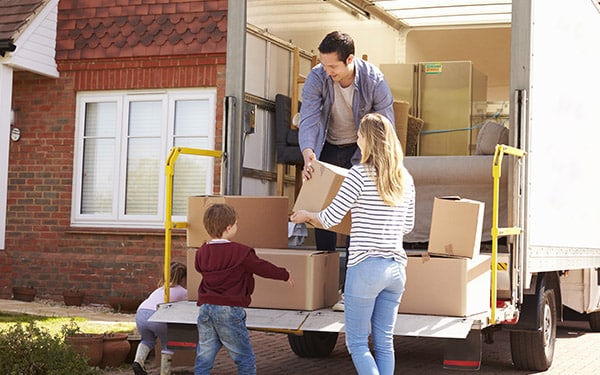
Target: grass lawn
54	324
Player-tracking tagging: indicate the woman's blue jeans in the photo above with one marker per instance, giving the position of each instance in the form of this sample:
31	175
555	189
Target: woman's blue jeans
372	295
223	326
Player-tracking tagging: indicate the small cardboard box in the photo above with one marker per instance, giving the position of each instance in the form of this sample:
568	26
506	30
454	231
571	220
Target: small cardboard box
447	286
316	274
316	193
262	221
456	226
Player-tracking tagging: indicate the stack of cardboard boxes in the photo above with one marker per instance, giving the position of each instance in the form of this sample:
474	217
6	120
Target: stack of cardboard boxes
453	278
263	225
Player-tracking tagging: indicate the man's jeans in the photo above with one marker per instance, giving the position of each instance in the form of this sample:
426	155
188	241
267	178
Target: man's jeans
374	288
223	326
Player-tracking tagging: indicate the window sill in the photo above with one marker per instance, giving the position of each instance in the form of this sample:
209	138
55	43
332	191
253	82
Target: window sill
124	231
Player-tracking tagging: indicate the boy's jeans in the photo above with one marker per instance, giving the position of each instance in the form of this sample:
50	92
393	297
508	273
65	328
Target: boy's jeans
223	325
374	288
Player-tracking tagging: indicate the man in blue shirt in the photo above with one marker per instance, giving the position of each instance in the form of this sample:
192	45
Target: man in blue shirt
337	93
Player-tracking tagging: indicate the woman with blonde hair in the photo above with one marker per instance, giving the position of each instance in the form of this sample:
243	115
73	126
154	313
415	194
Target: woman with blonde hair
380	194
150	331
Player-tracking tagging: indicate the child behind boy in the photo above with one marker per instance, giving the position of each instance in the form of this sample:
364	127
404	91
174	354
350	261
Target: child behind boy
227	270
150	331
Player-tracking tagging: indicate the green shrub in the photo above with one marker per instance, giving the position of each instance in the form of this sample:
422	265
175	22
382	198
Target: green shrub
26	349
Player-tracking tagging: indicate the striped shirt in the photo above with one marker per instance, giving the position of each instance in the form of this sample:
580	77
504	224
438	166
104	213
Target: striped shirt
377	228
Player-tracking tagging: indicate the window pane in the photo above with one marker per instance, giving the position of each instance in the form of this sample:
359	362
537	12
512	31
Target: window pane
124	139
97	179
145	118
143	172
189	180
100	119
190	176
191	117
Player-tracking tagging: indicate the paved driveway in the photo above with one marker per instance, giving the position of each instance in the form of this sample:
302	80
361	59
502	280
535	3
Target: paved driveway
576	353
576	350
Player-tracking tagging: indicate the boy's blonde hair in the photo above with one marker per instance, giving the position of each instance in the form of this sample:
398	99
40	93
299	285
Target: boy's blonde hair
383	157
217	218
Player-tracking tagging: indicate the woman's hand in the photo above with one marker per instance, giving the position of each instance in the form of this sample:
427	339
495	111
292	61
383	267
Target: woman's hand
302	216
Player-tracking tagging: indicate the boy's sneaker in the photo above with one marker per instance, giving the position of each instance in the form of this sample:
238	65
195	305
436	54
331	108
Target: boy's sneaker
138	369
339	306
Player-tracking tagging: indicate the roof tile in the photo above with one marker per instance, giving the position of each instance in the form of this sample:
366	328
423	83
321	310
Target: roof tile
15	15
93	29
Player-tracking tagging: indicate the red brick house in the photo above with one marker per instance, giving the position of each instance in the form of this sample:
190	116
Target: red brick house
125	81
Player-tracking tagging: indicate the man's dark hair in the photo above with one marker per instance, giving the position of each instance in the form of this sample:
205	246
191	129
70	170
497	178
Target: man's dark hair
341	43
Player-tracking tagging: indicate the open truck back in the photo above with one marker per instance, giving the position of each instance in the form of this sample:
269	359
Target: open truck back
549	245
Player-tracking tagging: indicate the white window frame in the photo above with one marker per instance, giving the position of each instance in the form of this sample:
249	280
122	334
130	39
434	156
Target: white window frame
117	218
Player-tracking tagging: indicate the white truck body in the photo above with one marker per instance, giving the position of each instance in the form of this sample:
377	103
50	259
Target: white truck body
550	61
554	119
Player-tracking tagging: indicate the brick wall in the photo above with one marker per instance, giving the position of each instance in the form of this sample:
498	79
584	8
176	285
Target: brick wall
5	269
42	249
100	45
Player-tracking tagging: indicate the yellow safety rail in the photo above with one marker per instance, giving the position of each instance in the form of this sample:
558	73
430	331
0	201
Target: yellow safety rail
169	224
496	232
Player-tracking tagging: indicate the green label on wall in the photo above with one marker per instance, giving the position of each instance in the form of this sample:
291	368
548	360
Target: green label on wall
433	68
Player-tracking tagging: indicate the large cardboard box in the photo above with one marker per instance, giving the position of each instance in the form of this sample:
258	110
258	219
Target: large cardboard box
316	193
262	221
447	286
316	274
456	226
193	277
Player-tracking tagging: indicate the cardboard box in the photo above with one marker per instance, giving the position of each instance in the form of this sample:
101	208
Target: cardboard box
316	193
316	274
456	226
193	277
262	221
447	286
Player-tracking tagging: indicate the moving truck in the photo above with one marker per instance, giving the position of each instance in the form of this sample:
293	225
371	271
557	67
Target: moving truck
550	254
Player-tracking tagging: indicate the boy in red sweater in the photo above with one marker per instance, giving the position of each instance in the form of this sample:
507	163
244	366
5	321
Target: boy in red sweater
227	270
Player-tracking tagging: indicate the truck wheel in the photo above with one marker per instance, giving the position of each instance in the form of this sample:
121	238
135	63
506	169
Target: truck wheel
313	344
594	321
534	350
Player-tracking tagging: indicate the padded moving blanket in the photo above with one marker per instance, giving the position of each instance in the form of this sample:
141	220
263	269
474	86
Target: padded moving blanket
465	176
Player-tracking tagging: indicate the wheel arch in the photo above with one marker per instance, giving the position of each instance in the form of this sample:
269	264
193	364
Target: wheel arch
529	316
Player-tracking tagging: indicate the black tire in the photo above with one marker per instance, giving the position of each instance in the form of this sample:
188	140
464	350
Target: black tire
313	344
594	321
534	350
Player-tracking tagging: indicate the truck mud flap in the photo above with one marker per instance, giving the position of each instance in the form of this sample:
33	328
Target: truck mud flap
463	354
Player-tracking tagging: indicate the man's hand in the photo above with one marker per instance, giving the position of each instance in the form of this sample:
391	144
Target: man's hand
308	155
